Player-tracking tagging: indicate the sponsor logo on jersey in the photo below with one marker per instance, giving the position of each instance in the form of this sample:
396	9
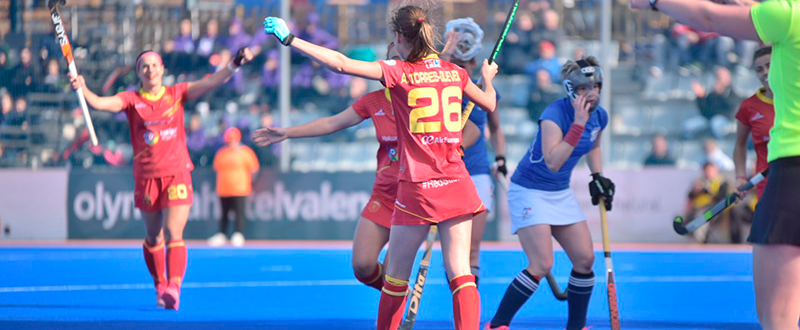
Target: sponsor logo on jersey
757	116
595	133
526	212
139	105
153	123
396	202
380	113
437	183
429	139
390	62
168	134
388	138
393	154
433	63
150	137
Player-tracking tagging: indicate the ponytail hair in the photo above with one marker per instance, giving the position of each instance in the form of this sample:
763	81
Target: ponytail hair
416	28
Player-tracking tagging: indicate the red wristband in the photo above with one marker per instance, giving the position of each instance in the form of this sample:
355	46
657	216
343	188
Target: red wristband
743	177
574	134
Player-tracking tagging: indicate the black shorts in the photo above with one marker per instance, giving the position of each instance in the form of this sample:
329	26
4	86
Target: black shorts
777	218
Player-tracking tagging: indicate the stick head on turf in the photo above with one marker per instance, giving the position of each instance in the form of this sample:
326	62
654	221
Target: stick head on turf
679	226
52	3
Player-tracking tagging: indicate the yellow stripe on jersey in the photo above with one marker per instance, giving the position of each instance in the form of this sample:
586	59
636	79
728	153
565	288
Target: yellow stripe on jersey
152	97
383	168
762	97
411	213
174	108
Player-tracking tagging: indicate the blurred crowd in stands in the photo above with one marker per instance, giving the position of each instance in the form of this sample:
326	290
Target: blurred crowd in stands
544	35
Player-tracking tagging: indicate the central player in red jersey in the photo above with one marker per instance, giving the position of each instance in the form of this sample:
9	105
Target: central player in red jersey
372	232
756	116
161	165
434	186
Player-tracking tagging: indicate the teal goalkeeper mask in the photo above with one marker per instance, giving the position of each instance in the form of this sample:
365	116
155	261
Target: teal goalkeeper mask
588	75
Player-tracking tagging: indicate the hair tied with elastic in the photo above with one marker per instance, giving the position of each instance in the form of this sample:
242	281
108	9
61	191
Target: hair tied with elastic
419	20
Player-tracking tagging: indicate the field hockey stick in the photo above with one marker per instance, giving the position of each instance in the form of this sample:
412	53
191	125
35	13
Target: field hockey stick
687	228
419	284
66	49
613	306
551	280
495	51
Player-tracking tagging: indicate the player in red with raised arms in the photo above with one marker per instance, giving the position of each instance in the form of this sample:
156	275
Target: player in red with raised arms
372	231
433	184
161	165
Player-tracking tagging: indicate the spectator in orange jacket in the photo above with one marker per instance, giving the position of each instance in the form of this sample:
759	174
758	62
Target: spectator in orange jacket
235	164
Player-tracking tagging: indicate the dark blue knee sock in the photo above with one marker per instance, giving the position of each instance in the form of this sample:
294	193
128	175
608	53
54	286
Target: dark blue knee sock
580	290
521	288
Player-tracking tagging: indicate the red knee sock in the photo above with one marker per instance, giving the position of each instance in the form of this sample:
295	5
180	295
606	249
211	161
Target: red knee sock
176	261
466	303
375	280
393	302
154	258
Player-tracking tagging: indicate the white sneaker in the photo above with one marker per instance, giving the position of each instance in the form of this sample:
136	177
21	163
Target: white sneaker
237	239
218	239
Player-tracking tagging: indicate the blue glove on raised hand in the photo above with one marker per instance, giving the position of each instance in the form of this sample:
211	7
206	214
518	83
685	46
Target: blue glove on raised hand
277	27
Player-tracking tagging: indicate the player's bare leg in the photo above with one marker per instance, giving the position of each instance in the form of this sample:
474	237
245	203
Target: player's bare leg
538	246
153	227
478	227
176	218
154	252
577	243
404	242
776	269
367	245
456	236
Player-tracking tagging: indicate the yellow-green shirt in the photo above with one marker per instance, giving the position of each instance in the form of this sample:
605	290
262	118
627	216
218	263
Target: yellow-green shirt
778	22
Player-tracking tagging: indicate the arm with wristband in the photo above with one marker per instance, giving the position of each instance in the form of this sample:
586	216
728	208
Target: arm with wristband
556	146
732	19
199	88
339	63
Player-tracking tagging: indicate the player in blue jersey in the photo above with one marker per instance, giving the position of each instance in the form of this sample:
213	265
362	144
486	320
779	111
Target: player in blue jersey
542	204
467	36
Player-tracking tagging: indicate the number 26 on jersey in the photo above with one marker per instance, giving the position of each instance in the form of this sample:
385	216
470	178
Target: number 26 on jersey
451	96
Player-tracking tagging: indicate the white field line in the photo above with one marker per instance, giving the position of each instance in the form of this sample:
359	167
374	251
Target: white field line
352	282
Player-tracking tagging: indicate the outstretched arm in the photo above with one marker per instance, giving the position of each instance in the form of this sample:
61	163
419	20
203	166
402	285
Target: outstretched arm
730	20
103	103
331	59
319	127
199	88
